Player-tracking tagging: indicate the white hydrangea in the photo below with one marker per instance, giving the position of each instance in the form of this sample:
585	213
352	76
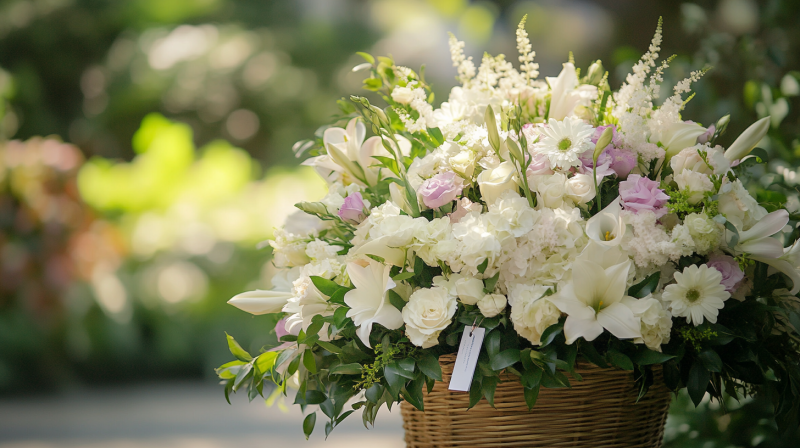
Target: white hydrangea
288	249
655	318
705	232
434	241
511	214
477	242
531	311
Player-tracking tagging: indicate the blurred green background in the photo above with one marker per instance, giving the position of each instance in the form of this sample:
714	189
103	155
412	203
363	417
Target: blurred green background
119	248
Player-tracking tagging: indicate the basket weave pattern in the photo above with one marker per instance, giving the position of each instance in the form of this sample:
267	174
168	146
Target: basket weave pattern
598	412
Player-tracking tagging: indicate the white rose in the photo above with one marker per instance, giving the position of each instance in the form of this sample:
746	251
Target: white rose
690	159
402	95
531	311
699	223
696	183
494	181
463	163
580	188
492	304
469	290
738	206
551	190
428	312
400	229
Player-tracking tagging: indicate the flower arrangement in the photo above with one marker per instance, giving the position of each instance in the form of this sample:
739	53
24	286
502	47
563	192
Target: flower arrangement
562	217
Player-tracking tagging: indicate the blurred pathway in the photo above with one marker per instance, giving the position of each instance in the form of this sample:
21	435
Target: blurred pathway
180	415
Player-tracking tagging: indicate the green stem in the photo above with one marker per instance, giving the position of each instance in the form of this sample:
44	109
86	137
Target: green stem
596	189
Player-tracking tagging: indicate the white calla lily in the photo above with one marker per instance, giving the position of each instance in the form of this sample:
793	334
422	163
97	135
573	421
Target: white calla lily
369	302
261	302
593	301
607	227
679	136
748	140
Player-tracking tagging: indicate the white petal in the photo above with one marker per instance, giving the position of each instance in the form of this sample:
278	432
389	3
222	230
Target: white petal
785	267
590	281
260	302
378	247
575	328
767	226
619	320
766	247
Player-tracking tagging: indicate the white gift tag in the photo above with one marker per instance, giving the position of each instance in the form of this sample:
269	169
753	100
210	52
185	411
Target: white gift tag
467	358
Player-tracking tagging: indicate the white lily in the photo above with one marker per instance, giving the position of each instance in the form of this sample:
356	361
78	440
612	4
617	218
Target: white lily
607	227
593	301
748	140
757	241
379	247
679	136
260	301
566	92
348	153
369	302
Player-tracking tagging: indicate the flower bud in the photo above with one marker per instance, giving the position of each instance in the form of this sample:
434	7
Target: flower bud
491	127
748	140
602	142
595	73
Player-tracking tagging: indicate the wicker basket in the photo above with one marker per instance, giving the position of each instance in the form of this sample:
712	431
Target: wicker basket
598	412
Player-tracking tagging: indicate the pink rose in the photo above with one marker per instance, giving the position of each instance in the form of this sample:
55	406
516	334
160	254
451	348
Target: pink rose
280	331
622	162
440	189
539	165
352	210
729	268
640	193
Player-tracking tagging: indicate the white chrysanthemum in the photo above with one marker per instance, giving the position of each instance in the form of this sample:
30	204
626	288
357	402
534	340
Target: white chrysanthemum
564	141
697	295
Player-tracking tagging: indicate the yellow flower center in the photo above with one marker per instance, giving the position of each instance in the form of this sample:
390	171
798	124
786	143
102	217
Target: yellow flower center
609	236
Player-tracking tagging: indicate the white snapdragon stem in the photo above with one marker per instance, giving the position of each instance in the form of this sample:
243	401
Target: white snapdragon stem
748	140
261	302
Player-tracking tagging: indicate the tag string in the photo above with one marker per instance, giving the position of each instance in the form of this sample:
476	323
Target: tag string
474	326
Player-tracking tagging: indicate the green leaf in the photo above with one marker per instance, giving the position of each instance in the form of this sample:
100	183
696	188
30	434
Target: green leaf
412	393
735	237
488	386
429	365
504	359
646	286
482	267
315	397
489	283
243	374
284	356
436	136
374	393
475	394
531	378
711	360
646	357
396	300
550	334
492	343
237	350
394	380
309	361
340	316
229	370
403	276
589	352
308	424
325	286
329	347
338	296
697	382
405	367
347	369
531	395
619	360
367	57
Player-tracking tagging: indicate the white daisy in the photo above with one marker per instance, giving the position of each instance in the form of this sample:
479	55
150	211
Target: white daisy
564	141
697	294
